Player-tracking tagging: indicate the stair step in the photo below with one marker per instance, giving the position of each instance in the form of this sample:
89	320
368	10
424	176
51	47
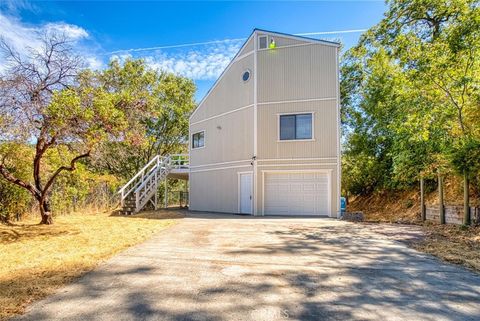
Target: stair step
152	173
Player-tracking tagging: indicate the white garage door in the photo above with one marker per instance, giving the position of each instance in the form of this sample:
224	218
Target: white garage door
297	193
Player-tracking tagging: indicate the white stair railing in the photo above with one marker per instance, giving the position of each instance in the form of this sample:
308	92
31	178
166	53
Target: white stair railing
144	185
149	187
138	179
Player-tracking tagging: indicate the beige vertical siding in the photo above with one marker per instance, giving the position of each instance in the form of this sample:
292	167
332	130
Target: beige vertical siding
248	47
227	138
226	116
215	191
288	76
298	79
300	72
324	131
230	93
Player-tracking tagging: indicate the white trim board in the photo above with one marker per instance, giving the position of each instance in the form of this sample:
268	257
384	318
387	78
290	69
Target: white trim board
320	170
222	163
295	101
262	104
244	55
255	121
339	150
298	164
295	140
219	168
296	159
222	114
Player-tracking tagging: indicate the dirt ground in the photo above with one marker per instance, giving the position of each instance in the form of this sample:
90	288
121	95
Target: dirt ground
451	243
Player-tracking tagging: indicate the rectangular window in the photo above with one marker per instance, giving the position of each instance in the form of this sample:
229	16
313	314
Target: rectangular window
198	140
294	127
262	42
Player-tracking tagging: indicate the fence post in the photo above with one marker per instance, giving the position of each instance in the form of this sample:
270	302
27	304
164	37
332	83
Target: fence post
441	206
422	199
466	199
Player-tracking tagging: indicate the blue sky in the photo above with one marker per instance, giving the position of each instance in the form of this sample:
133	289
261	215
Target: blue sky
106	29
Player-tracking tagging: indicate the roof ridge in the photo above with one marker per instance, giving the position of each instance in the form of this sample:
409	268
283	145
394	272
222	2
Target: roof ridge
297	36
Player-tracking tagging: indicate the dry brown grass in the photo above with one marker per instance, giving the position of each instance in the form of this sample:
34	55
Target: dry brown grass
451	243
404	206
400	207
37	259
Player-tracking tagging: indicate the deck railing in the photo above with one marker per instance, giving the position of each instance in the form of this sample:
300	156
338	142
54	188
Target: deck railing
144	184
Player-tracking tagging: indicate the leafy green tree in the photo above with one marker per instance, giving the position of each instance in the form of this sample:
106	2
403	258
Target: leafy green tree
411	90
44	103
14	201
163	130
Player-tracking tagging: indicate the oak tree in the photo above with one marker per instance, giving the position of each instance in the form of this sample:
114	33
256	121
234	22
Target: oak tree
43	103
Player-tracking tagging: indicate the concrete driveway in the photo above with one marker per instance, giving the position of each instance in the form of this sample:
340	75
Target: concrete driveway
218	267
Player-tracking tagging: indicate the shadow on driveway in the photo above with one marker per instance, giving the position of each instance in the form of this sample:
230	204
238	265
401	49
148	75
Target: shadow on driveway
219	267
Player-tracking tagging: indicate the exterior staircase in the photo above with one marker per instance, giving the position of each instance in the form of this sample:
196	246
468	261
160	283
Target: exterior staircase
142	189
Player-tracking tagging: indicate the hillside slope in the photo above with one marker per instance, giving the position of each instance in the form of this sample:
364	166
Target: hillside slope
404	206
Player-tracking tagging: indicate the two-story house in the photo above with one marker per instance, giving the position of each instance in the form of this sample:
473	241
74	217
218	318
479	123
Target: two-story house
265	140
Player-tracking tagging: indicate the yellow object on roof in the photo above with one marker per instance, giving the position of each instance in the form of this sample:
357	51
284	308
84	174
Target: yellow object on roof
272	44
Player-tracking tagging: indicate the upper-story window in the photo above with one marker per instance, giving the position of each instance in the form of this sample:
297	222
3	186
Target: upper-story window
198	139
296	126
262	42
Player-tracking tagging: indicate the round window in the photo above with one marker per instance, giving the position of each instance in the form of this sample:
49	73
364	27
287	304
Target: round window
246	75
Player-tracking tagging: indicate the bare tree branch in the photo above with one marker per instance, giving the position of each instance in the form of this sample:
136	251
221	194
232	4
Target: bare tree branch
9	177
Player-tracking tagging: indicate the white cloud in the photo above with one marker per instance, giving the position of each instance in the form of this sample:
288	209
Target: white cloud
72	32
196	61
22	36
13	6
201	63
94	62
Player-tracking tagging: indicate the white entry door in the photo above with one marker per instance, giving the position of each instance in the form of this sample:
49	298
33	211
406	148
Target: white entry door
245	193
297	193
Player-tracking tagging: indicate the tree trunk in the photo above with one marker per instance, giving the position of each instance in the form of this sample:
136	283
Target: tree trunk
441	204
466	199
46	213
